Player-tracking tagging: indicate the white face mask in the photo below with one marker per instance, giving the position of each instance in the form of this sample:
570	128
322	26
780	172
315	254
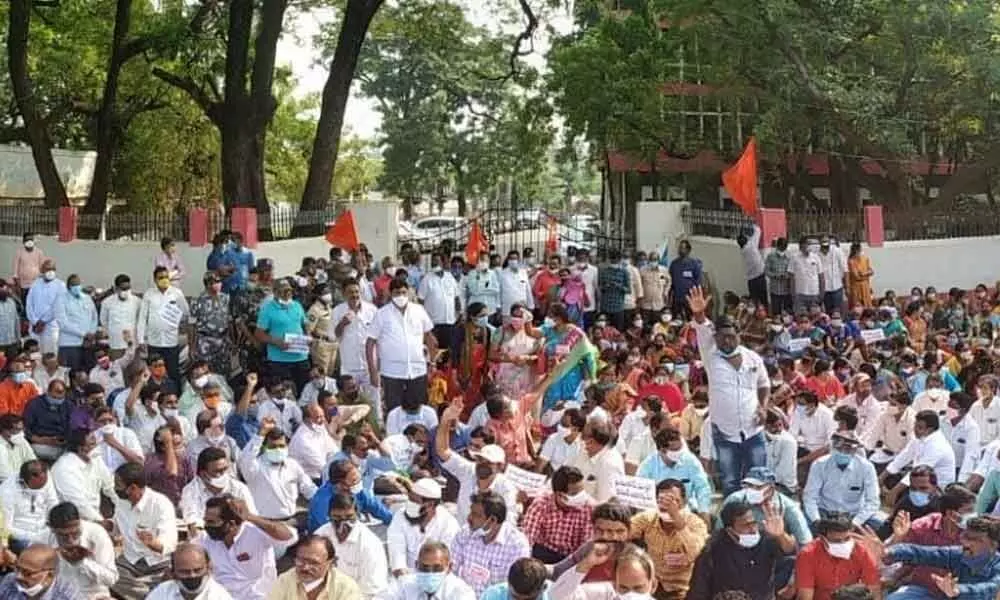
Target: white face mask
123	295
326	298
17	438
840	549
200	381
400	301
483	266
170	412
578	499
109	429
754	496
412	509
50	275
634	596
312	585
29	244
33	591
749	540
220	482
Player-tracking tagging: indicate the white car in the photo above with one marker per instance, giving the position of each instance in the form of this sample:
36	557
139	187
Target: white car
429	232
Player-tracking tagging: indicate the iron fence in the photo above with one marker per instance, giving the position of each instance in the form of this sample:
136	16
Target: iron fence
918	225
724	223
844	225
17	220
281	220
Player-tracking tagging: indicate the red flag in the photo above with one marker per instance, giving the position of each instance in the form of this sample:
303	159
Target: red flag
740	180
552	242
344	233
477	243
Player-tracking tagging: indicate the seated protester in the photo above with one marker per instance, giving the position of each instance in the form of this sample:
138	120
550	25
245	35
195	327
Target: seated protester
318	382
433	578
314	573
158	374
344	478
275	480
893	429
782	452
842	483
632	575
824	384
243	424
527	578
168	407
232	531
18	388
36	570
612	526
483	552
411	411
483	473
834	560
86	552
986	410
408	449
279	404
673	536
365	451
48	371
148	525
211	398
46	421
423	519
673	461
558	523
84	407
667	392
863	400
115	445
920	499
846	418
215	477
312	443
560	447
360	554
191	401
110	373
211	434
811	425
934	397
989	492
598	461
929	447
972	568
693	417
167	468
963	433
143	413
636	422
81	479
739	557
643	446
762	494
191	577
26	501
14	447
508	423
942	529
118	398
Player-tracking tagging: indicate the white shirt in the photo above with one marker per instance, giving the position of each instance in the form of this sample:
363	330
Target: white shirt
439	294
464	471
42	378
113	458
287	415
195	494
12	456
805	270
589	276
247	569
25	510
934	451
515	288
92	576
965	442
312	446
401	450
599	472
641	447
813	432
632	426
119	315
145	425
753	262
988	459
169	590
399	419
834	265
276	488
354	336
480	416
782	459
111	378
558	452
869	411
154	512
732	393
82	483
406	588
403	540
400	340
153	329
361	557
310	393
988	418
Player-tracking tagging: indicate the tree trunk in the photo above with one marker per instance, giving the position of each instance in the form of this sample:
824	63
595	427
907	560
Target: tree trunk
24	95
357	17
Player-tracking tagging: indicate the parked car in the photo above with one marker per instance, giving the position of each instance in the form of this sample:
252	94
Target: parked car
428	233
530	218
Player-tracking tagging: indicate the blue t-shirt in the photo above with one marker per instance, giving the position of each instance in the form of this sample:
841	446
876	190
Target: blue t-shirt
685	273
243	261
278	320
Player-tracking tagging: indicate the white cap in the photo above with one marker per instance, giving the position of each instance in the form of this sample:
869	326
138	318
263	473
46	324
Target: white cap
491	453
427	488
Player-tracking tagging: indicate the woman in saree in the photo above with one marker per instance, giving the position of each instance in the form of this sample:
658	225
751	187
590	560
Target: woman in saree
859	277
570	359
474	361
514	351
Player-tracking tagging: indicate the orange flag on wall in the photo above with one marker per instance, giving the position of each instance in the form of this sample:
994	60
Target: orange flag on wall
477	243
552	242
740	180
344	233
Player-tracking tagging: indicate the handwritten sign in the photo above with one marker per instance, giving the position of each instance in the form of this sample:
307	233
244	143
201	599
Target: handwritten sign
637	492
171	314
297	343
530	483
798	344
870	336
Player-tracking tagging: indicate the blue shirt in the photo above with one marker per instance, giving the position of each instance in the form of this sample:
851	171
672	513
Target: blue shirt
853	489
217	259
500	591
77	317
278	320
980	583
42	417
370	468
687	470
795	521
685	273
242	259
241	428
460	439
918	382
364	501
414	275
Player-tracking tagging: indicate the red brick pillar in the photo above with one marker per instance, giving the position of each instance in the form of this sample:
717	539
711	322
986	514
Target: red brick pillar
68	220
197	227
244	220
773	225
874	226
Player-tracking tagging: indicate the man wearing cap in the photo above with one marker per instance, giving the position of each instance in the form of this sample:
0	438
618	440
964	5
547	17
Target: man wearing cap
423	519
281	321
761	493
738	393
843	482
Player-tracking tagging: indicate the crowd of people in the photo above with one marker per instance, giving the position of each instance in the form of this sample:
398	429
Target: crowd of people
415	428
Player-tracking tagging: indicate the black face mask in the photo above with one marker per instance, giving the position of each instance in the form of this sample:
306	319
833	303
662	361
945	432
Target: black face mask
192	585
4	294
216	532
483	471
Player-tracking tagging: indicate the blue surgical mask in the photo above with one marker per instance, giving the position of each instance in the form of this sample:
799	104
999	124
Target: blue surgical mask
55	401
729	354
19	377
429	583
919	499
482	321
841	459
76	290
513	264
978	562
963	521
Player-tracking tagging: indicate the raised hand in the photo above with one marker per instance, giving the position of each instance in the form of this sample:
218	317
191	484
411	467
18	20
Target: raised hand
252	379
774	520
947	583
454	410
267	424
900	525
698	301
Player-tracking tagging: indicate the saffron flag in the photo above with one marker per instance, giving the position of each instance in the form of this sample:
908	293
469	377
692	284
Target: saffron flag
740	180
343	233
552	241
477	243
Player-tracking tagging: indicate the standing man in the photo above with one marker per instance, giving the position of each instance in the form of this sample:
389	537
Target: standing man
242	260
588	273
77	318
351	321
753	263
120	314
170	259
779	278
27	264
441	299
163	312
685	275
483	285
10	322
834	264
738	393
515	285
41	307
399	331
655	280
634	295
613	280
282	320
807	277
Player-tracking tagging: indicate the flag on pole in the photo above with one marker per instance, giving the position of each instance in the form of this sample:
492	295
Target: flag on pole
343	233
552	242
740	180
477	243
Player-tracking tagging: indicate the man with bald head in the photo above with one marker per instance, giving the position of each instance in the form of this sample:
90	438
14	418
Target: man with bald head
41	307
192	577
313	443
35	577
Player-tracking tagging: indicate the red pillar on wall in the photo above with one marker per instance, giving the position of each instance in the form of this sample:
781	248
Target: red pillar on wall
244	220
68	220
773	225
197	227
874	226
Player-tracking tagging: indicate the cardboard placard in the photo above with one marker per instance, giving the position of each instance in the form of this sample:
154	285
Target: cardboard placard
637	492
530	483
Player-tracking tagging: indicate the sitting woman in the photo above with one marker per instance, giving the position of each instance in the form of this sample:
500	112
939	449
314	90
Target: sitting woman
569	359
